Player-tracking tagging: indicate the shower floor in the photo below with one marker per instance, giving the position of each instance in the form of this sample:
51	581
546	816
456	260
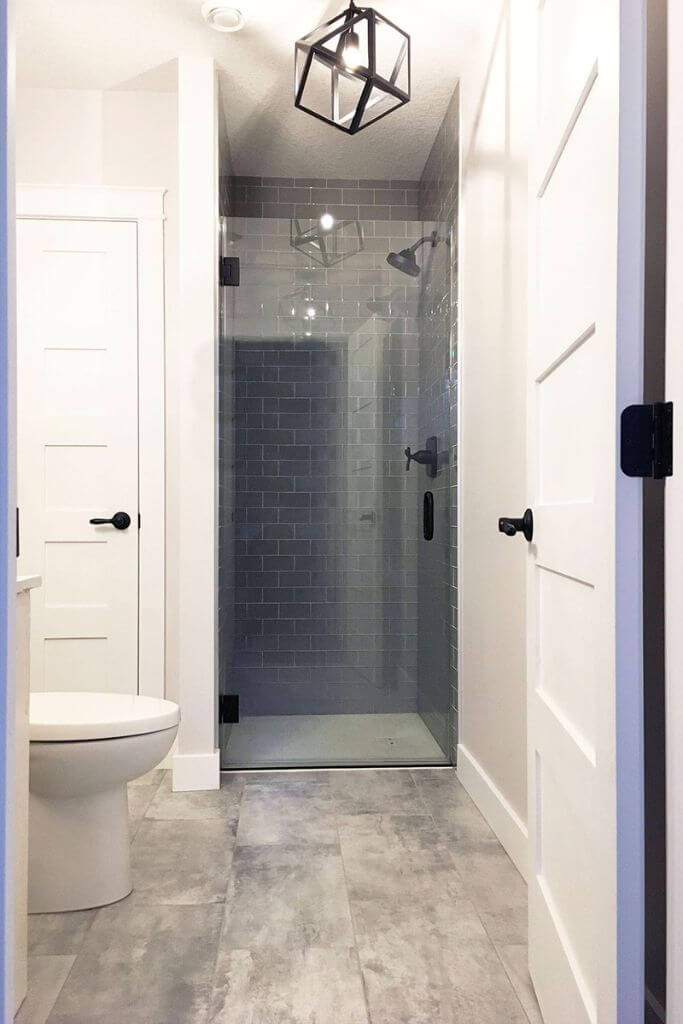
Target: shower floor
301	740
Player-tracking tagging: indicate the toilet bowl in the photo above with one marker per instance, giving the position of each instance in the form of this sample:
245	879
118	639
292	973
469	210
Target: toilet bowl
84	749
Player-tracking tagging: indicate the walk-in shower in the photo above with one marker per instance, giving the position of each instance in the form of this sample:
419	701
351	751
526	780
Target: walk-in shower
336	596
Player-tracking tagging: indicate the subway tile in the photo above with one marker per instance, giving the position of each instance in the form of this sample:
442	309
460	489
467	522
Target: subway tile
311	182
326	195
277	210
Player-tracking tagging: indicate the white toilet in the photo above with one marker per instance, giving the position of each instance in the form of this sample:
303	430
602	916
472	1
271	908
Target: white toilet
85	748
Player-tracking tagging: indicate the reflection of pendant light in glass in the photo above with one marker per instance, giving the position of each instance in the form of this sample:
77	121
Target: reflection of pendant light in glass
353	70
327	245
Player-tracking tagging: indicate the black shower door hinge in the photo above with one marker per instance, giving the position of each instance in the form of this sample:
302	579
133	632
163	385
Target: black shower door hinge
228	709
647	440
229	271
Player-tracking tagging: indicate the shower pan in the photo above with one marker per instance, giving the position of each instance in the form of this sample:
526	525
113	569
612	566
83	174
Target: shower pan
334	606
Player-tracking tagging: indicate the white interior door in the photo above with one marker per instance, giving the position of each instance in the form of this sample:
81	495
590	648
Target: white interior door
576	920
78	449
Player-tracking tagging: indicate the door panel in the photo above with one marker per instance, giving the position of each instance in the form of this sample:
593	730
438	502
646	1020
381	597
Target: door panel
78	449
572	429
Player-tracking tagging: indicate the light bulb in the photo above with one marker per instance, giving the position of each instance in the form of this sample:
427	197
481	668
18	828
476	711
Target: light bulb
351	51
327	222
311	312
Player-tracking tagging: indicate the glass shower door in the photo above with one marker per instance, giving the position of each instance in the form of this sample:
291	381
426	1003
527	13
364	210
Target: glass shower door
326	544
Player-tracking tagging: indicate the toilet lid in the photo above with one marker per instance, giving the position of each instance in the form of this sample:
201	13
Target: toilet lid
56	717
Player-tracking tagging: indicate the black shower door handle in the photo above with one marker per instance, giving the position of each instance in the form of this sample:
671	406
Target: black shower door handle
428	516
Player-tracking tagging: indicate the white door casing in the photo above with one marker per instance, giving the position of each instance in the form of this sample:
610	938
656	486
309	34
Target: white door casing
583	608
137	215
78	448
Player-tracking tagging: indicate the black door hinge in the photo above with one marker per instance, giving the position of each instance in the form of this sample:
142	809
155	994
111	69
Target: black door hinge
229	271
228	708
647	440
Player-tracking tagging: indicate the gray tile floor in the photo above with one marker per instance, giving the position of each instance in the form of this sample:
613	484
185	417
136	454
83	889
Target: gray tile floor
366	897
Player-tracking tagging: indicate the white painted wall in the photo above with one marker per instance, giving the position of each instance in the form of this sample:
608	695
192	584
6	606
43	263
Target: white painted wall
144	138
492	344
130	139
196	764
7	504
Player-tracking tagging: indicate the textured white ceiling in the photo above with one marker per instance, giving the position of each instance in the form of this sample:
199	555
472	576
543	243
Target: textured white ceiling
112	44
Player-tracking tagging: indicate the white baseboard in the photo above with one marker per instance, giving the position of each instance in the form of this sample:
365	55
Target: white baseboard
196	771
503	819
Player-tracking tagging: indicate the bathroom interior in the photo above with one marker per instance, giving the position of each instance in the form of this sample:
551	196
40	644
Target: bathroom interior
264	447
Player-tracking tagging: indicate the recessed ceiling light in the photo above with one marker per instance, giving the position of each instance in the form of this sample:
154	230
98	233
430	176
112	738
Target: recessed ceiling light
222	17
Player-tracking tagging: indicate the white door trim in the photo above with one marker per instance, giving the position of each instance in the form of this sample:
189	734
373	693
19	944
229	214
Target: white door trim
8	560
144	207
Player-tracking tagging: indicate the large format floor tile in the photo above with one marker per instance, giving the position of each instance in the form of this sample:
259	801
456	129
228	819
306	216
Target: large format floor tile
389	855
58	934
293	813
496	888
287	896
143	965
431	963
182	862
46	977
515	961
288	986
222	804
368	897
375	791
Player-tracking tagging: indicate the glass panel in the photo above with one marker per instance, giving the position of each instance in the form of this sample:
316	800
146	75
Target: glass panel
335	634
391	53
349	91
379	103
317	93
327	246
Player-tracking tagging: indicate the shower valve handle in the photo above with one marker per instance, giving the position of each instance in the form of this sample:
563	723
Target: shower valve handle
425	457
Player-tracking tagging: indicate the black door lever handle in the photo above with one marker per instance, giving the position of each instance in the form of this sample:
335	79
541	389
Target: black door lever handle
120	520
525	525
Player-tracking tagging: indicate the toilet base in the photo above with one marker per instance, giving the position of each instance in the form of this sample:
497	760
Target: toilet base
79	851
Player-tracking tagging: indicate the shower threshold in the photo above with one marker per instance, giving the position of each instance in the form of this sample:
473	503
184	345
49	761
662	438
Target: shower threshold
281	741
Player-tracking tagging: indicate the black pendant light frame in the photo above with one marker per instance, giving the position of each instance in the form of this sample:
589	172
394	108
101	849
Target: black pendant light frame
333	58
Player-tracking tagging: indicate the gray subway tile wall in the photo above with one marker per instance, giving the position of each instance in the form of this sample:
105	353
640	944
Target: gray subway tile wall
328	378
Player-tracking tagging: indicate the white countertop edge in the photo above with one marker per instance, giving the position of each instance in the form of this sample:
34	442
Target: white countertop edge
28	583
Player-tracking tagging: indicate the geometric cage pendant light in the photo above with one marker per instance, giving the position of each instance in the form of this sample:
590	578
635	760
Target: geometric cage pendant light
353	70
